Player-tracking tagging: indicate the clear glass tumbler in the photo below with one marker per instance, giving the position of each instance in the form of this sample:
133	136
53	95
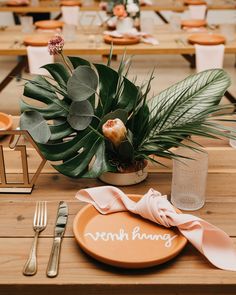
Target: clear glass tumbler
69	32
26	24
189	180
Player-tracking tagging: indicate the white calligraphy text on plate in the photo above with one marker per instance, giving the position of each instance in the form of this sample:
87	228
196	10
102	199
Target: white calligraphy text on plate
135	234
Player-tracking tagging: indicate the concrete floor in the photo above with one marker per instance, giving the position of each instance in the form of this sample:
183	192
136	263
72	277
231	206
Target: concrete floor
169	70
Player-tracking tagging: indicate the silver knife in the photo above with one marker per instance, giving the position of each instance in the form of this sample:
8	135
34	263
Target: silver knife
53	263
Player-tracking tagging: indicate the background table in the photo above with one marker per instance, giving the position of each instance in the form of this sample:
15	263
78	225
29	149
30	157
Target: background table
158	5
188	273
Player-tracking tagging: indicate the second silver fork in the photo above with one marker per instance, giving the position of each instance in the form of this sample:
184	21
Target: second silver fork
39	224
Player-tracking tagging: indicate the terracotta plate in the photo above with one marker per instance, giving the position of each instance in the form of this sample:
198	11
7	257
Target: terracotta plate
194	23
70	3
17	3
125	240
6	122
206	39
194	2
37	40
121	41
49	24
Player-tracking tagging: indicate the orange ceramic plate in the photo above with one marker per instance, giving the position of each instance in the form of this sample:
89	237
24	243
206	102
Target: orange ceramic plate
49	24
37	40
125	240
70	3
6	122
206	39
194	2
194	23
121	41
17	3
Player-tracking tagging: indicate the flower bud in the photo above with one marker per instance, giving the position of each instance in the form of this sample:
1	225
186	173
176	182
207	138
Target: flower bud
55	45
115	131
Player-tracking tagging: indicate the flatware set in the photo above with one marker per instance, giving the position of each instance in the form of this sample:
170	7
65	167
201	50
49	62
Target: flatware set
39	224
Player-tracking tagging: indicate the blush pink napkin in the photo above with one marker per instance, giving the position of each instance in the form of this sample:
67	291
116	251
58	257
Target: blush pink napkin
211	241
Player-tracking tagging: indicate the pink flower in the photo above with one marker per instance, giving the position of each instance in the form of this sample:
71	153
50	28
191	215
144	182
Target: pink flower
55	45
119	11
115	131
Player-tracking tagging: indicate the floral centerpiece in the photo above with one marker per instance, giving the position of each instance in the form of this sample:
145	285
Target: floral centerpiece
93	119
125	13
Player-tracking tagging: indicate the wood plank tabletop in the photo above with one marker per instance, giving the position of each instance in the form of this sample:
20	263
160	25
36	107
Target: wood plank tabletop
188	273
157	5
82	274
12	43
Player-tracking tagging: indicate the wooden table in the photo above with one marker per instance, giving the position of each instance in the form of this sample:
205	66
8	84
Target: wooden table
188	273
158	5
11	43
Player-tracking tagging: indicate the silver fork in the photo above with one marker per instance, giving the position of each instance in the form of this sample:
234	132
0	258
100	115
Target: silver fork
39	224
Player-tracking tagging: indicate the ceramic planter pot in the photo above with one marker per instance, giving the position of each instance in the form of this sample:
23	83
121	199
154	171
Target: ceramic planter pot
125	178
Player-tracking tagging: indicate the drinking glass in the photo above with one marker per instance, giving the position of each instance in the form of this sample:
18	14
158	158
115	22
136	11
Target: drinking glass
175	22
228	30
34	2
189	180
148	25
69	32
26	24
232	142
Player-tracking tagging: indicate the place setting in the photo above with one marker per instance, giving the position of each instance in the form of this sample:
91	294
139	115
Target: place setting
117	148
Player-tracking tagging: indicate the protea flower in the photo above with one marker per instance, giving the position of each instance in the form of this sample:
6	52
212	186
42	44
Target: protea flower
115	131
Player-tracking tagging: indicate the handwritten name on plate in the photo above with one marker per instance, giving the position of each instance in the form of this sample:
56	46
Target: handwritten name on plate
135	234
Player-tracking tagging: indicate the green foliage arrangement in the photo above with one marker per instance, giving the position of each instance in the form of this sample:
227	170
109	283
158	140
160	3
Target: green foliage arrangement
77	103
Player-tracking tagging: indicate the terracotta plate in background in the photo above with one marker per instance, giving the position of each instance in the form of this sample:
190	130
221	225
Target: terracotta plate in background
125	240
37	40
6	122
121	41
195	2
70	3
206	39
17	3
49	24
194	23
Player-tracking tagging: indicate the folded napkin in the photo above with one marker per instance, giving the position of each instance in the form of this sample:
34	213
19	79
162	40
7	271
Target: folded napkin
209	57
197	11
70	15
38	57
144	37
208	239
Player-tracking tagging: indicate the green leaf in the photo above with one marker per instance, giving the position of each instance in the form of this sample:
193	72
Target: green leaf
183	102
77	165
82	84
100	164
40	89
80	115
35	124
78	61
108	79
59	72
126	151
67	149
50	112
128	97
60	131
120	114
